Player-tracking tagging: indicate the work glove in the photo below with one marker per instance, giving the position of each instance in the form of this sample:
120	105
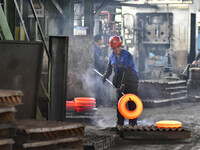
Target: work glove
121	89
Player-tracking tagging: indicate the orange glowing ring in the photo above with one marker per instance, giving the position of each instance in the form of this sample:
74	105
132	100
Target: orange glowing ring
127	113
168	124
84	99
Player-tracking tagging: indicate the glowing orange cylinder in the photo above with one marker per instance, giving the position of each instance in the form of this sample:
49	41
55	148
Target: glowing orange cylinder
84	103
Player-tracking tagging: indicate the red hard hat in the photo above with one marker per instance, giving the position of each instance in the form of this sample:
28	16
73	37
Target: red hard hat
115	41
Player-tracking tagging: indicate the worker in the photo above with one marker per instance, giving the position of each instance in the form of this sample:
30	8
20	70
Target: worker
99	65
98	54
125	77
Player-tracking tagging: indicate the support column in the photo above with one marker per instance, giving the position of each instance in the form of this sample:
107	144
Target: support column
89	16
58	47
4	28
11	16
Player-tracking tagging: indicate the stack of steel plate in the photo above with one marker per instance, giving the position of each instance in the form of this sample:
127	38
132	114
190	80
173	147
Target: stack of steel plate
54	135
155	93
8	99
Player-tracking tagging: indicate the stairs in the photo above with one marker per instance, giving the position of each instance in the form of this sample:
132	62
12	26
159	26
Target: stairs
158	93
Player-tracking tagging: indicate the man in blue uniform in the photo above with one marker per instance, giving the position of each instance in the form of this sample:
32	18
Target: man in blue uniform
100	65
99	62
125	77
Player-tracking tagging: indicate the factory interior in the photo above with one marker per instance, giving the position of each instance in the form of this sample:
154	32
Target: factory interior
141	53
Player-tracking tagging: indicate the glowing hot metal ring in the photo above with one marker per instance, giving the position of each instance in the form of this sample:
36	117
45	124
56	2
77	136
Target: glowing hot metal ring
130	114
168	124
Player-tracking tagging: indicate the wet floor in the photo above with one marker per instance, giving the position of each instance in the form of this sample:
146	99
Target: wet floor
187	113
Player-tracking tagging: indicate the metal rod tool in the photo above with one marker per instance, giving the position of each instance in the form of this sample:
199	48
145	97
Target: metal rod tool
106	78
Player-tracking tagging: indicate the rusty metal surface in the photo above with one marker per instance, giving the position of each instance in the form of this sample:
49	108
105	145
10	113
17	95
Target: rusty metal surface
7	114
73	143
6	144
35	131
35	126
7	109
35	134
153	132
10	101
7	117
6	141
10	97
7	130
97	142
51	142
8	93
20	64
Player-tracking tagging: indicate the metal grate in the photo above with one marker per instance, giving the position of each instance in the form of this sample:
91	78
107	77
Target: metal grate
97	142
152	132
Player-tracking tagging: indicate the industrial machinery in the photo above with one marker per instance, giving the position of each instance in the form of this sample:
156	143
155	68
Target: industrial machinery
153	35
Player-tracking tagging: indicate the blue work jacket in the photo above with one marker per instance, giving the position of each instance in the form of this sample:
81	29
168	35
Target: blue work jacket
99	61
119	65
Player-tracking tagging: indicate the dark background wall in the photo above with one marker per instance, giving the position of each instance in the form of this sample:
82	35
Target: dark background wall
80	66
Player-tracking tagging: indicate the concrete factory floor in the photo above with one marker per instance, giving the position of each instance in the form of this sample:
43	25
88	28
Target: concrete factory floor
187	113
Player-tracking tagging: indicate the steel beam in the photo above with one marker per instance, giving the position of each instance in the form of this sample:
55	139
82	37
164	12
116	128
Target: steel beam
66	18
11	16
69	13
5	30
98	10
21	19
59	54
58	7
5	7
40	29
89	16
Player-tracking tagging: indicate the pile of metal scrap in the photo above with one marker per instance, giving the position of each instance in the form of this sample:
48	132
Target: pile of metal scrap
8	99
153	132
193	84
155	93
54	135
97	142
